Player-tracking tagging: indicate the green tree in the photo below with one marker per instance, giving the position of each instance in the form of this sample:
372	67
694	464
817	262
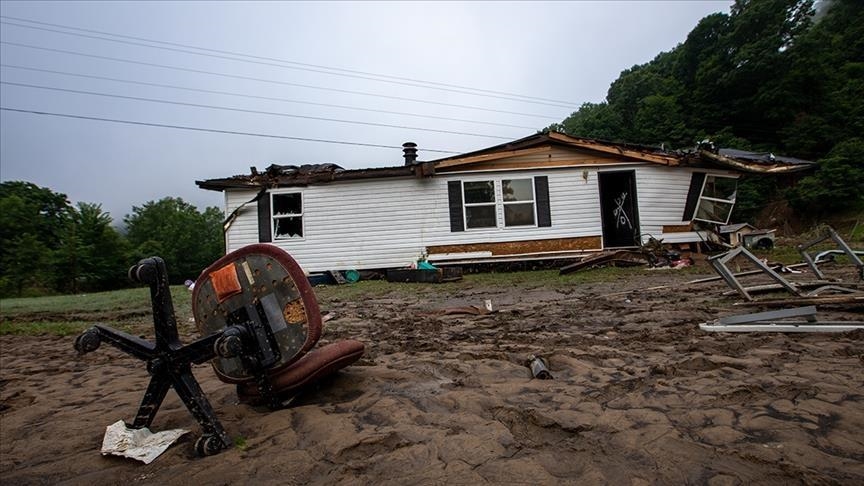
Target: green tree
32	222
836	185
188	240
93	255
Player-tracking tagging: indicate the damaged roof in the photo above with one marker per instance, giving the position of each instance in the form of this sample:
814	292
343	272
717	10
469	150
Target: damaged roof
703	155
292	175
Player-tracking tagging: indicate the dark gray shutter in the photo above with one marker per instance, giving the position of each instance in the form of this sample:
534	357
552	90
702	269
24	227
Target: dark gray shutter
693	194
454	190
264	219
541	193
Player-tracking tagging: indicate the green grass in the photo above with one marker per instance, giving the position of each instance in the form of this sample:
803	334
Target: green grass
115	300
65	315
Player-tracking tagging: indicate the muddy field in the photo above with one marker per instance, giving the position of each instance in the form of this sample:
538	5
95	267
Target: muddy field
640	396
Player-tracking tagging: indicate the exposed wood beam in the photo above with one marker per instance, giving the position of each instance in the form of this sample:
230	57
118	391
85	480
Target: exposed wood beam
493	156
670	160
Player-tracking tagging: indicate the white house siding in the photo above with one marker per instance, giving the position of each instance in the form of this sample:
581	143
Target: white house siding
367	224
662	193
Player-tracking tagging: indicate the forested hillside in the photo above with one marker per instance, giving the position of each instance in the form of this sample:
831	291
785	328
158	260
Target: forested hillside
783	76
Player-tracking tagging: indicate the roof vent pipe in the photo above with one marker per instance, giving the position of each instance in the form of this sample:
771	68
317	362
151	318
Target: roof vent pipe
410	153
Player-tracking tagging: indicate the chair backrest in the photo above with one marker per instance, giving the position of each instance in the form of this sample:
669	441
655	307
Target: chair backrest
263	284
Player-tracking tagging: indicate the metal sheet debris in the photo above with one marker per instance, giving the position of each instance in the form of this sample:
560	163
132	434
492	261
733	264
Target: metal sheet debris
777	321
139	444
828	233
719	263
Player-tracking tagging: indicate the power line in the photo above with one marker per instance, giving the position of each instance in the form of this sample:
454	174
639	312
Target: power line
267	98
508	98
243	110
364	74
211	130
248	78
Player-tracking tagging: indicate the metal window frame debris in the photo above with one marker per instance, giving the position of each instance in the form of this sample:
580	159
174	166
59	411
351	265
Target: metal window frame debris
777	321
829	233
718	262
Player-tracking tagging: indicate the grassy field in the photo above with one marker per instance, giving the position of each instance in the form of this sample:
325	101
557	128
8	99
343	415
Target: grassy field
129	309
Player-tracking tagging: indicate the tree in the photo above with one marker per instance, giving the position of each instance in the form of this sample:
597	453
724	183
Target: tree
32	222
836	185
188	240
93	255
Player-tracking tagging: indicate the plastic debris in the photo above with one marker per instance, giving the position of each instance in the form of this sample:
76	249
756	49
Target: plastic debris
138	444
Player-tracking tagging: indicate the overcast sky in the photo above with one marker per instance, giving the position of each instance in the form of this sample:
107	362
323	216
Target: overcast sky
293	58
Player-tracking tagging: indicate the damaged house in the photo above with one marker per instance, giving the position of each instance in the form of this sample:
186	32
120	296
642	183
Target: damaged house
548	195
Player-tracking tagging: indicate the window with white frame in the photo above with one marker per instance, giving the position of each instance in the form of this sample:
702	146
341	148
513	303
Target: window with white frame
716	199
518	200
287	208
484	201
479	204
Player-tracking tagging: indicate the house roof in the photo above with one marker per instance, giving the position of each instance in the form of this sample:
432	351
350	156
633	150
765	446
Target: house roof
703	155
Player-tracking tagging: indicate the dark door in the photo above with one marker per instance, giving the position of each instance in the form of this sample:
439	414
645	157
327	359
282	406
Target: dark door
619	212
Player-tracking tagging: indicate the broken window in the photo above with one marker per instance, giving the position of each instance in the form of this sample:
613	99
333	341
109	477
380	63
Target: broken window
287	215
479	197
518	195
717	199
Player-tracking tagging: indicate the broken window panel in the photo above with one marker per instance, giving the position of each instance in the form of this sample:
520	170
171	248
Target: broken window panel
720	188
284	204
713	211
717	199
288	227
287	215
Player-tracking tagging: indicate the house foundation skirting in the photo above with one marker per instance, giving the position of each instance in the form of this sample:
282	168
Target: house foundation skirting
522	247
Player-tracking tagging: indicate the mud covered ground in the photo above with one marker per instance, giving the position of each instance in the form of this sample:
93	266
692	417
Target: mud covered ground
640	396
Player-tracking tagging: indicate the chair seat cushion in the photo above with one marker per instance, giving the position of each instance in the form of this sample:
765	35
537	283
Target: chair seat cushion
313	366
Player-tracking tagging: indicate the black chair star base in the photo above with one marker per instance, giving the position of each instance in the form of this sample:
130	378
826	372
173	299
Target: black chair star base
168	360
259	318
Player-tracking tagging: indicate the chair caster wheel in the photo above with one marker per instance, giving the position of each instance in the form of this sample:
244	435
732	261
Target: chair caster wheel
88	341
208	445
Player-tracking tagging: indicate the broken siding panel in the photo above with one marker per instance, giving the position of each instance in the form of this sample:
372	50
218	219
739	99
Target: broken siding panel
244	229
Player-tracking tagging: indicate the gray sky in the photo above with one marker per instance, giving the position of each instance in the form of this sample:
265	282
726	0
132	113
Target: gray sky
567	52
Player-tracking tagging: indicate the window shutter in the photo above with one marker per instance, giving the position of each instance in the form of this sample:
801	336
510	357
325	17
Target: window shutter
541	194
696	181
454	190
264	219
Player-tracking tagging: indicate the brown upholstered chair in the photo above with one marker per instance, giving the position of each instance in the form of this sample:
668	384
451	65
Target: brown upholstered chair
264	281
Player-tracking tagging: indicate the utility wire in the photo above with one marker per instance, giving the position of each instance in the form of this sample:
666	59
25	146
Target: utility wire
243	110
567	104
185	51
248	78
211	130
267	98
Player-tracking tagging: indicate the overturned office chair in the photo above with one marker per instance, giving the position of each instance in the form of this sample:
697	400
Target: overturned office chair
258	318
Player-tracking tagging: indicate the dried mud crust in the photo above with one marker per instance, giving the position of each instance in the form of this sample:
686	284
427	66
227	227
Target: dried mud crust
640	396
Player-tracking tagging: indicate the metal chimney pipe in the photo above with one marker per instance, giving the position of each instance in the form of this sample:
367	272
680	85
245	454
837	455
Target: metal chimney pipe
410	153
